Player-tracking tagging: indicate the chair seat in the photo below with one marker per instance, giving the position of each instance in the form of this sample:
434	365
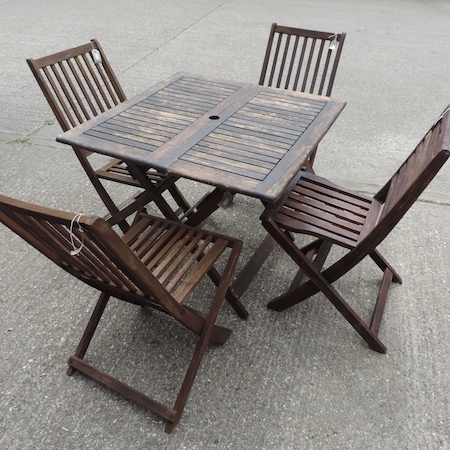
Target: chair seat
178	257
317	207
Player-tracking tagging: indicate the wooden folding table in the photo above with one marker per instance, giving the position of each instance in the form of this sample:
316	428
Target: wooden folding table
239	137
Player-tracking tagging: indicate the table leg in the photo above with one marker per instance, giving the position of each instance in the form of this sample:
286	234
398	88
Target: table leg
246	275
205	207
139	173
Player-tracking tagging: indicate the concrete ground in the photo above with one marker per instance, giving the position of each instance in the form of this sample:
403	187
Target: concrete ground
302	379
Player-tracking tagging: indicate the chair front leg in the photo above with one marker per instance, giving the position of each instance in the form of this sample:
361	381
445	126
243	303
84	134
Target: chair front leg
322	284
204	339
90	329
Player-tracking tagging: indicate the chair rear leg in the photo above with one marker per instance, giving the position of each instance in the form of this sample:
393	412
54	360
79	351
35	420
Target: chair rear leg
381	301
90	329
381	262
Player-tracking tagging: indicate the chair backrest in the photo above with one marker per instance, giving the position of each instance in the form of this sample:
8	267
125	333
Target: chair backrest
86	247
413	176
78	83
303	60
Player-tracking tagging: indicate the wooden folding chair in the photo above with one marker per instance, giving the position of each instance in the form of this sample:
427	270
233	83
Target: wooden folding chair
78	84
157	263
302	60
337	216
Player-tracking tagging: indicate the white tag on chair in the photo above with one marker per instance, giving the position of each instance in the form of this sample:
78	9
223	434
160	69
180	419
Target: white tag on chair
96	56
333	44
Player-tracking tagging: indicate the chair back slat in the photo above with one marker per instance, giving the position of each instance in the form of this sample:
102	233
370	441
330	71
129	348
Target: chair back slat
317	65
79	79
72	97
83	88
311	56
77	84
110	97
58	235
95	84
416	172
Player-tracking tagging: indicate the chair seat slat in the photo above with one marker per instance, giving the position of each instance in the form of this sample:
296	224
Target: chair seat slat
322	222
330	203
183	269
192	280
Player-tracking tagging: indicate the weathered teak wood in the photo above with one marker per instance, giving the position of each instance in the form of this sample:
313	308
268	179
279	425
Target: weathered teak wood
302	60
157	263
334	215
239	137
79	84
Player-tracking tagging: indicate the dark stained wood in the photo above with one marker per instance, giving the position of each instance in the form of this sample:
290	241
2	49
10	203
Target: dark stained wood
338	216
78	87
238	137
302	60
157	263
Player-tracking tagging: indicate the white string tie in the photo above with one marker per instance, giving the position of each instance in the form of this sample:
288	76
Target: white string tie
73	237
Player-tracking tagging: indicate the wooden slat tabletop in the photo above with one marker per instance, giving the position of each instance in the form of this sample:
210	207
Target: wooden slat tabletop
241	137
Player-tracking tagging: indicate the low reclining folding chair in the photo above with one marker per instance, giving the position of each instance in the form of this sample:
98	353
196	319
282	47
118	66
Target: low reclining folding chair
78	84
334	215
157	263
302	60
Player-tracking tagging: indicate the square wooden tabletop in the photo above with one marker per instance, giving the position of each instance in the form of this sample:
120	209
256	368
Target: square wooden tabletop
241	137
